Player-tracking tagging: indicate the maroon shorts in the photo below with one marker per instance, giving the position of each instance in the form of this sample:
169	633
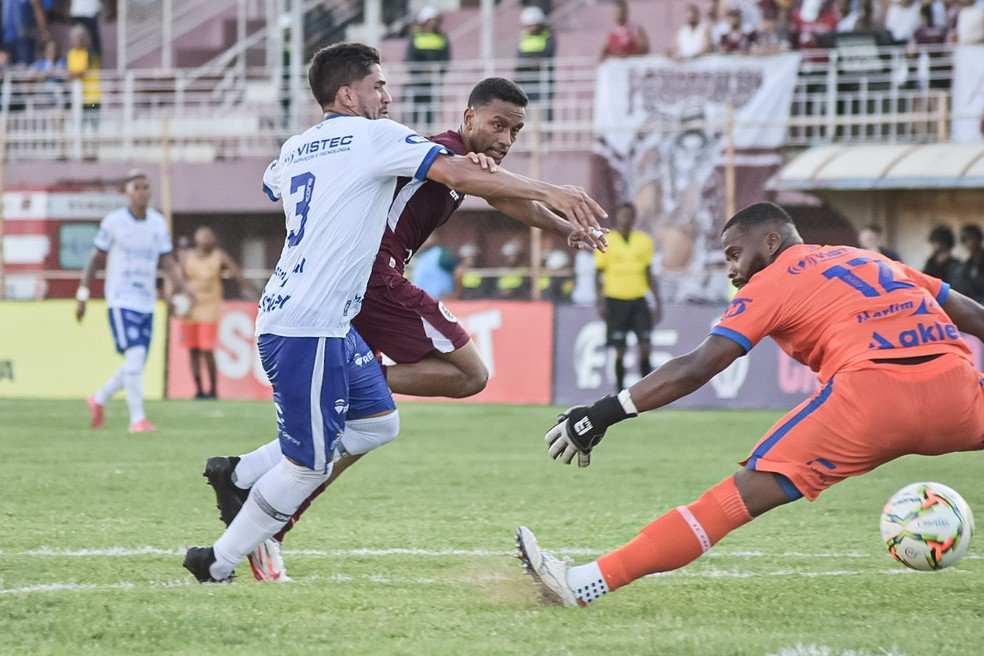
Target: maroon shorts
404	322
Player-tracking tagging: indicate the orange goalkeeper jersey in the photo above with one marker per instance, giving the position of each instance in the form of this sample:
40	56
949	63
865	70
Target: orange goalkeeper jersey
835	307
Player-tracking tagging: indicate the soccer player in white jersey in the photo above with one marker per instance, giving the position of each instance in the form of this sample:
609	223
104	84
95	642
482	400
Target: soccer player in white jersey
132	242
337	181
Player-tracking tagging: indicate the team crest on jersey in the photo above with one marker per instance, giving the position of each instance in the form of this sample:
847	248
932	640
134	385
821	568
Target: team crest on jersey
341	407
446	312
738	305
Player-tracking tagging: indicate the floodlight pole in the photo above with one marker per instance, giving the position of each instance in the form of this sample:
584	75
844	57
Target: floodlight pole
487	48
374	22
296	61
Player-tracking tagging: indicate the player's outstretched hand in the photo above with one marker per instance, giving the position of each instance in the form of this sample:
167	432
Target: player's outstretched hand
577	206
484	161
574	435
588	240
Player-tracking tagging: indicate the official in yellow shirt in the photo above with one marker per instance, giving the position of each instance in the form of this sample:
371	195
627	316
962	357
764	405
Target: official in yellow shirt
624	278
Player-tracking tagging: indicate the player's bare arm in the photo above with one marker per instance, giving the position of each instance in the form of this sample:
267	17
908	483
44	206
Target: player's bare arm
966	313
461	173
581	428
171	267
96	262
657	299
538	215
237	274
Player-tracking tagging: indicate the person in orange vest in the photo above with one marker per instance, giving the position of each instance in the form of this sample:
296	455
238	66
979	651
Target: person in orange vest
428	52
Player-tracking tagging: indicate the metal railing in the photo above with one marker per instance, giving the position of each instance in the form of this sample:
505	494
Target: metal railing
228	110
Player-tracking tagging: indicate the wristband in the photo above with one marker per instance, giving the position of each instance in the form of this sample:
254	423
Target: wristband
609	410
82	294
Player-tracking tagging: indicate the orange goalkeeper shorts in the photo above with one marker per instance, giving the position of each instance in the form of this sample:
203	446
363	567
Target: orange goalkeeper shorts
199	335
864	418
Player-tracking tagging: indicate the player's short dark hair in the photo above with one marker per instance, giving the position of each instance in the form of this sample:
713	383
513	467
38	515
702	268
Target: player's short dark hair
971	231
943	235
758	214
627	205
497	88
339	65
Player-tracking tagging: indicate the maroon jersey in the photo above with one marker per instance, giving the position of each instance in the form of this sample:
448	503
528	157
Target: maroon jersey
418	209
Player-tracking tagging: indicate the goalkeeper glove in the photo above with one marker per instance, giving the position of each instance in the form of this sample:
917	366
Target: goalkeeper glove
580	428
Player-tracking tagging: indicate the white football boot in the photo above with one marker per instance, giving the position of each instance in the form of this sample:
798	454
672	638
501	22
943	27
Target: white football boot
547	570
267	562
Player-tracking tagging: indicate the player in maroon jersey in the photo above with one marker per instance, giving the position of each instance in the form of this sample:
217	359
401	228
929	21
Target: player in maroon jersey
434	355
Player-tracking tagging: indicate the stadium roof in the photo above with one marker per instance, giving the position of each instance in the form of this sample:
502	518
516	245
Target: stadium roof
883	166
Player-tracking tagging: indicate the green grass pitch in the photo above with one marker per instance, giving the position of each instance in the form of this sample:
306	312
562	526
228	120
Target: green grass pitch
411	551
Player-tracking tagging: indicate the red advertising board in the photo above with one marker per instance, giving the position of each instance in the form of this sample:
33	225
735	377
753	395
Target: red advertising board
515	340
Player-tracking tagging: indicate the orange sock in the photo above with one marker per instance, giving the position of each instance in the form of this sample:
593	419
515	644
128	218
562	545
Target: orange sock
678	537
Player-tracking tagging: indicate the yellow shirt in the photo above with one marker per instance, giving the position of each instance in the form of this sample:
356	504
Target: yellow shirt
78	61
626	265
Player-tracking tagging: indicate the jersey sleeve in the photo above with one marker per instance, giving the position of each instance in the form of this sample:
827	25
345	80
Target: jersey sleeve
104	238
271	180
164	238
752	315
399	151
939	289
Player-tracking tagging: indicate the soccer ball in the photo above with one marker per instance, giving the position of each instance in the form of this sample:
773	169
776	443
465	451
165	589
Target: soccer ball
927	526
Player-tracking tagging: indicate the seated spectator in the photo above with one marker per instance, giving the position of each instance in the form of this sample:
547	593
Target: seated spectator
512	284
627	39
82	64
736	39
811	18
902	19
717	22
941	263
929	31
86	14
850	16
52	70
693	38
772	37
970	23
970	281
751	12
467	283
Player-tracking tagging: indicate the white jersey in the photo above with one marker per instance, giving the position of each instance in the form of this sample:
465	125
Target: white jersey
337	180
134	248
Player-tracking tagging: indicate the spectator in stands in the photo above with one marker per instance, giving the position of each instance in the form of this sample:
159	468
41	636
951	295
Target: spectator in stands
773	34
751	12
83	65
717	23
694	37
512	284
467	283
736	39
537	47
52	71
556	282
24	26
433	270
970	23
850	16
627	39
970	282
902	19
811	18
86	14
941	263
871	238
430	49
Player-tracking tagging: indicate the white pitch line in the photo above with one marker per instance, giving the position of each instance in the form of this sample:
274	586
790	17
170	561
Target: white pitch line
128	552
378	579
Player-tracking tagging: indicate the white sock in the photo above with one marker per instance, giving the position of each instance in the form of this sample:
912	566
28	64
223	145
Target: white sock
133	367
112	386
256	463
587	581
272	501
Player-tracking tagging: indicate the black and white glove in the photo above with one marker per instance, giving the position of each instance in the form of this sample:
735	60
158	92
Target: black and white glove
580	428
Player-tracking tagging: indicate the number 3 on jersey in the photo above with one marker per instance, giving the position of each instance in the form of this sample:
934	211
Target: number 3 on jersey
303	181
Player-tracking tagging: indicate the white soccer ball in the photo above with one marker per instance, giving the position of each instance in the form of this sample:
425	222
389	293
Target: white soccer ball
181	304
927	526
